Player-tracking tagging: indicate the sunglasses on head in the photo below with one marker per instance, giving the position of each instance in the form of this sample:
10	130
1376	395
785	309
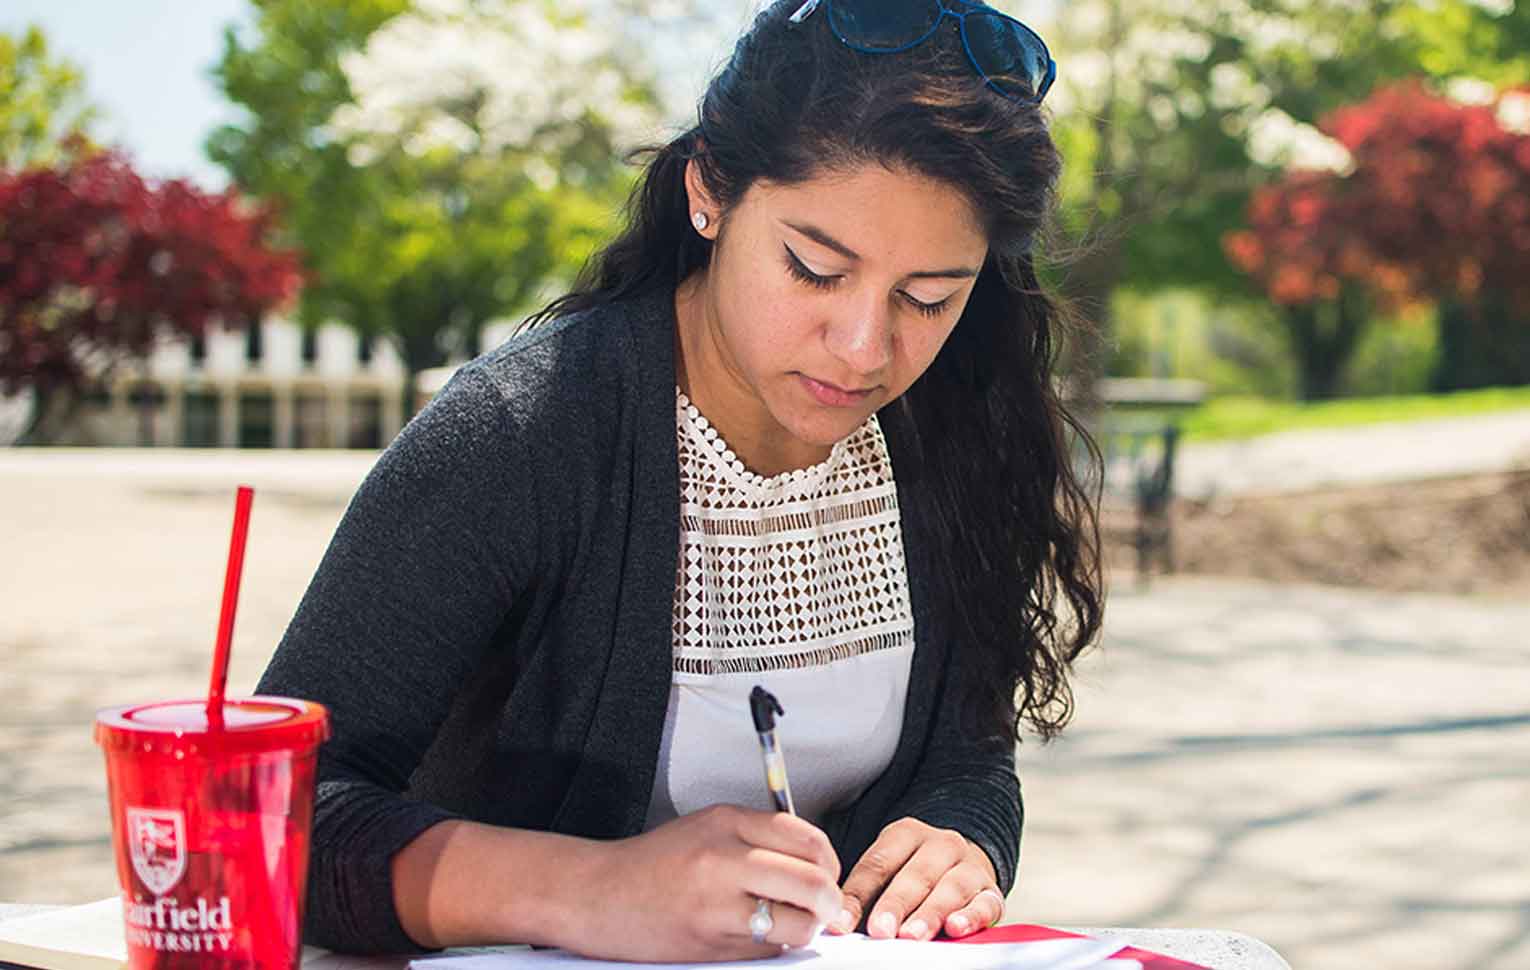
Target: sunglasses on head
1009	56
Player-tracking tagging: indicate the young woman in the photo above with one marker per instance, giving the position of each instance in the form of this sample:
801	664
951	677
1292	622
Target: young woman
795	427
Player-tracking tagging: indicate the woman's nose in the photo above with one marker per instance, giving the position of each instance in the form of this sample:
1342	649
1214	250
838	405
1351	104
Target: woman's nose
862	338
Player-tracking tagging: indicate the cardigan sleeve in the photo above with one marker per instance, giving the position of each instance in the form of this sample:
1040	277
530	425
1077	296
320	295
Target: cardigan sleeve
430	552
969	784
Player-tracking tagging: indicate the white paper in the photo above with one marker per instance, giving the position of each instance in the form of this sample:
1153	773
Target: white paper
1092	958
854	951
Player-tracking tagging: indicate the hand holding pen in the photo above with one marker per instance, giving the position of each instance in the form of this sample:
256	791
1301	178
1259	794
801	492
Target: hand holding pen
740	882
913	898
764	707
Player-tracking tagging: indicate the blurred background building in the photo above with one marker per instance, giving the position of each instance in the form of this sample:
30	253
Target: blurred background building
271	385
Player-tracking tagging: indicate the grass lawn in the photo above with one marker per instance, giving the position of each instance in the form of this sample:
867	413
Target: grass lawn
1247	417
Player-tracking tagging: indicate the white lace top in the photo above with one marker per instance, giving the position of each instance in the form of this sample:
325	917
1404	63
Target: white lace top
795	582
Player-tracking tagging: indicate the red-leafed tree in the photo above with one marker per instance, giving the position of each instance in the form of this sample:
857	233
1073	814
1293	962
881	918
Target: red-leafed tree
1436	209
96	263
1302	248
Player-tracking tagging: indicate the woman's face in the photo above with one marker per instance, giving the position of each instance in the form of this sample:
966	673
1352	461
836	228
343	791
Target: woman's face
823	302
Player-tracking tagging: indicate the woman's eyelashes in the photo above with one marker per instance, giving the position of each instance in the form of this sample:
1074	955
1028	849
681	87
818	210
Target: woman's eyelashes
798	269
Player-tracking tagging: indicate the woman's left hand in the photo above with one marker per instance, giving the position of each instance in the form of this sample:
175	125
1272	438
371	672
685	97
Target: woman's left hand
928	879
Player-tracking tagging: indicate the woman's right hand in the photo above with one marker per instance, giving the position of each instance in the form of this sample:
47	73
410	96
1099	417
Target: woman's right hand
684	891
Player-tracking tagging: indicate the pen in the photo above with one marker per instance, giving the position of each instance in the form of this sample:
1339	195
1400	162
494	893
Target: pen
764	706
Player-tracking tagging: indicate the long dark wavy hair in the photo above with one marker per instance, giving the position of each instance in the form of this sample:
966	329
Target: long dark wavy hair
1014	529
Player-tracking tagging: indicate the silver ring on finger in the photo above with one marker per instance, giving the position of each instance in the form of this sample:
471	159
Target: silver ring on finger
760	921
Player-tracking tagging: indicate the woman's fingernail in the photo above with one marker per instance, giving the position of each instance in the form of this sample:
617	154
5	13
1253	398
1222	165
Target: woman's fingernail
845	923
883	924
959	923
915	929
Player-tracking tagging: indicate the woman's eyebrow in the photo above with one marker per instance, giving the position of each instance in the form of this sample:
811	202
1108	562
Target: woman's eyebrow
824	239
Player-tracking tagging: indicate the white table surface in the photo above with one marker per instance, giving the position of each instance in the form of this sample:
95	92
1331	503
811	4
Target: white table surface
1216	949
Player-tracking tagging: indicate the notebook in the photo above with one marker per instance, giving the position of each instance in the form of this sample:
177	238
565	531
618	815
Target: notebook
90	937
849	952
85	937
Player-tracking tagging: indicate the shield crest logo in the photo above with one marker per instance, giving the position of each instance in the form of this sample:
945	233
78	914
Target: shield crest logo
157	846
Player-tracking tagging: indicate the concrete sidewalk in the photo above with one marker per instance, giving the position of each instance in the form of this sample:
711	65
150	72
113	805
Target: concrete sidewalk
1293	461
1341	774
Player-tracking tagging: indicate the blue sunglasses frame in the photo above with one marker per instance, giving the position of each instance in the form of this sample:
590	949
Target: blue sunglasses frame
960	16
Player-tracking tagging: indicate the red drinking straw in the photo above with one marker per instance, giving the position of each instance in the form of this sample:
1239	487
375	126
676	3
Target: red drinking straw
242	501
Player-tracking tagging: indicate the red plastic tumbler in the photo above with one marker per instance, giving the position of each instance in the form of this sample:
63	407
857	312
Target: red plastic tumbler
210	825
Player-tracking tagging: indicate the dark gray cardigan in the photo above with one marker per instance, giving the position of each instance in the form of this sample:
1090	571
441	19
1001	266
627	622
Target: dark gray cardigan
490	627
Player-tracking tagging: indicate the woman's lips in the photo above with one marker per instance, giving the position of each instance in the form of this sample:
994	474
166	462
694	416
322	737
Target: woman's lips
833	395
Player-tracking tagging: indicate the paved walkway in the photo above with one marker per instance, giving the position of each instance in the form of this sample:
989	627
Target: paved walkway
1340	774
1298	460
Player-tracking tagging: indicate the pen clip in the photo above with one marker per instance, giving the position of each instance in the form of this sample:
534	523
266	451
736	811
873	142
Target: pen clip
764	707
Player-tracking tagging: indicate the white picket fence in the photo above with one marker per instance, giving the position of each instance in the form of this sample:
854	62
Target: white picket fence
335	399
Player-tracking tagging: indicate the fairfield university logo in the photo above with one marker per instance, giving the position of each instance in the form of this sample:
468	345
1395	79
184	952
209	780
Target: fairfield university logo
157	846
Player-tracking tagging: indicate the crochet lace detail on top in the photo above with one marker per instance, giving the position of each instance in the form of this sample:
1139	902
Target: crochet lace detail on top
797	570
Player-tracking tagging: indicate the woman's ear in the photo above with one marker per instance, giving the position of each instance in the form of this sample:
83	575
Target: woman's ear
704	212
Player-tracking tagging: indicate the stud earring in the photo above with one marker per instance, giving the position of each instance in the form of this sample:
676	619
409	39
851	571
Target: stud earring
699	220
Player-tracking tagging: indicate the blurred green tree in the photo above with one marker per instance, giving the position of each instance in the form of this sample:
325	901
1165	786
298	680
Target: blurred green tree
442	164
1171	114
45	115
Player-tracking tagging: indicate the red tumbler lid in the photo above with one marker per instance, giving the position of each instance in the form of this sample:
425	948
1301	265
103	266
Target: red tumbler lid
250	725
